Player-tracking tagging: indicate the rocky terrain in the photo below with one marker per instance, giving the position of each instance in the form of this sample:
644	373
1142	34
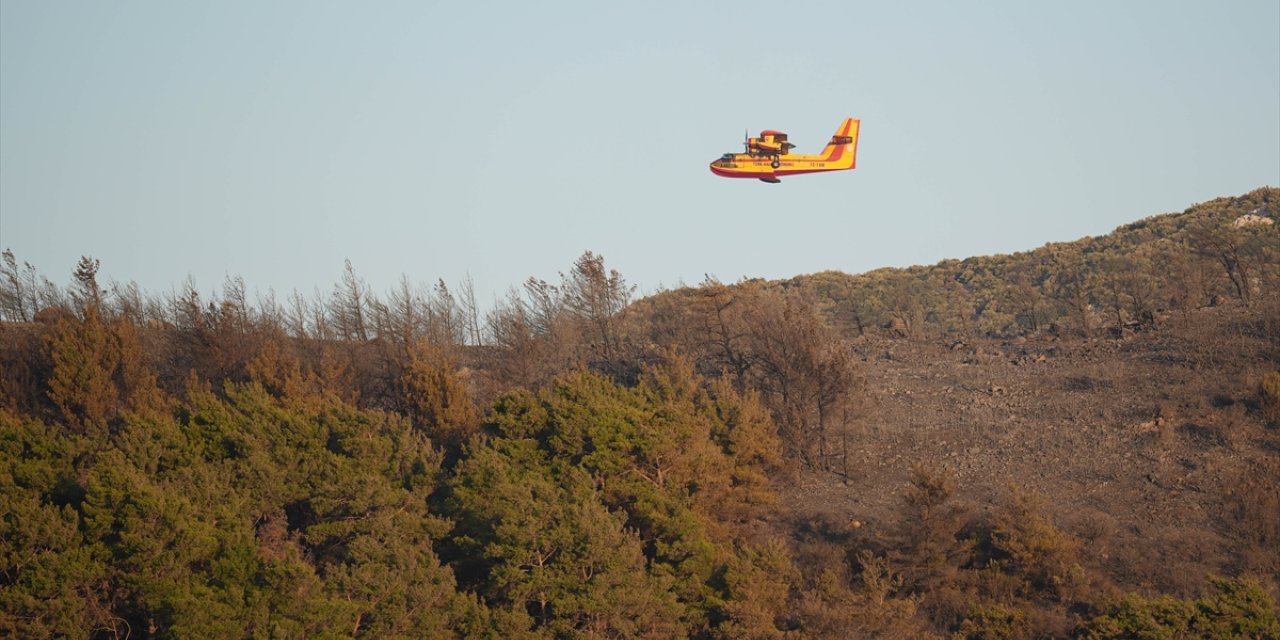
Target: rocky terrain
1148	444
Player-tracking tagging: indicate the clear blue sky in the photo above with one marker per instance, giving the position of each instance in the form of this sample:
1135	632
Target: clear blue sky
272	140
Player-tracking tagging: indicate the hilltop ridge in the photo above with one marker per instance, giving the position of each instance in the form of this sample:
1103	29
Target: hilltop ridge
1149	266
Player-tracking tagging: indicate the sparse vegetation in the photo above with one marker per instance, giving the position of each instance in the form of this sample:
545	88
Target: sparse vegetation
1269	392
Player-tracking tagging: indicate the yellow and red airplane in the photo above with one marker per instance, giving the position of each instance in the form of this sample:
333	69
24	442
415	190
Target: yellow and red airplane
769	157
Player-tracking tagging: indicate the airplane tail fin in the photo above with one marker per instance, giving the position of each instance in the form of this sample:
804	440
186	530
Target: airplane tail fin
843	147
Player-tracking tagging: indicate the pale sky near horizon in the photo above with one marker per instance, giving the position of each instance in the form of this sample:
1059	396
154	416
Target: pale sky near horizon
273	140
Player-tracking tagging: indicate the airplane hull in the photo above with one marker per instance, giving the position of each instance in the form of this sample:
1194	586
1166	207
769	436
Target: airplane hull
744	166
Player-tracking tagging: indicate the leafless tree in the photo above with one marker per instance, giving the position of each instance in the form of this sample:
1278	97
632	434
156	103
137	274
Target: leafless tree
350	305
596	296
470	312
85	291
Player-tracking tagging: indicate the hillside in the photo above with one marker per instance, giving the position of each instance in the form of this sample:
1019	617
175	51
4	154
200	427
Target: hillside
1150	446
1077	441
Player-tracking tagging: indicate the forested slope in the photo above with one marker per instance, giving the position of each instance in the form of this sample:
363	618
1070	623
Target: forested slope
575	463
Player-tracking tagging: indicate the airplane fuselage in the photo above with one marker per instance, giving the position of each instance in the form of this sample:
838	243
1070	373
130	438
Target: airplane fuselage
741	165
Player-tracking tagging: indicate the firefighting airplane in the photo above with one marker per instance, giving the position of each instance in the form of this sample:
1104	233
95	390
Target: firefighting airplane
769	156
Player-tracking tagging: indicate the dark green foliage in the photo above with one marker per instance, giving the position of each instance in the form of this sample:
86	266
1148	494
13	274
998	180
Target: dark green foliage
589	493
51	579
247	517
1236	608
546	547
589	509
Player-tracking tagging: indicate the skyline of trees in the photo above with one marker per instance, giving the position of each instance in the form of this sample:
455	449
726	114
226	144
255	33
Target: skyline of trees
1165	263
